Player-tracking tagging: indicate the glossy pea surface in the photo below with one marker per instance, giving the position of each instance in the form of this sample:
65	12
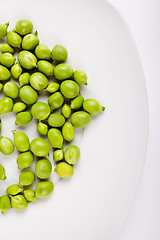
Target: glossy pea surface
80	77
30	41
42	129
64	170
11	89
58	155
92	106
55	138
68	131
4	73
63	71
40	110
24	79
23	118
59	53
66	111
14	189
14	39
26	178
16	71
52	87
19	202
24	160
43	52
80	119
38	81
6	146
6	105
24	26
44	189
21	141
28	95
19	107
29	195
72	154
2	173
55	100
43	169
56	120
27	60
77	102
40	147
7	59
1	87
45	67
69	88
5	47
5	203
3	29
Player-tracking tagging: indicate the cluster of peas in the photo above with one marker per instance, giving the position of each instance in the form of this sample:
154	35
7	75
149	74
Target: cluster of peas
36	62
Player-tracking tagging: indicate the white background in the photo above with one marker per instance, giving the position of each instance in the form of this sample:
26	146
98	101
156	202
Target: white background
143	17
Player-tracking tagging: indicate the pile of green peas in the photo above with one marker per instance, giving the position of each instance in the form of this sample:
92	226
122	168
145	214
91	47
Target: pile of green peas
30	73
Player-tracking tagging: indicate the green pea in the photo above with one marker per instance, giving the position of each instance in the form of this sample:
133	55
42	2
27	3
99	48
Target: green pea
66	111
3	29
21	141
23	118
6	105
77	102
80	119
59	53
44	189
58	155
63	71
40	110
26	178
14	39
43	52
72	154
27	60
38	81
5	204
68	131
52	87
24	79
55	100
28	95
24	160
45	67
69	88
56	120
43	169
19	202
19	107
30	41
64	170
92	106
80	77
2	173
24	26
42	129
4	74
55	138
7	59
30	195
5	47
1	87
14	189
11	89
6	146
16	71
40	147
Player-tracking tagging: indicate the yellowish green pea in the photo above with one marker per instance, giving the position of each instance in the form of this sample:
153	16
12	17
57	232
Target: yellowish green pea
63	71
4	73
68	131
24	160
40	110
66	111
24	26
30	41
5	204
19	202
24	79
26	178
44	189
21	141
3	29
2	173
38	81
14	39
72	154
55	138
55	100
42	129
43	169
59	53
19	107
23	118
92	106
5	47
27	60
77	102
58	155
52	87
69	88
43	52
6	146
80	119
28	95
14	189
7	59
1	87
45	67
11	89
29	195
80	77
6	105
16	71
56	120
40	147
64	170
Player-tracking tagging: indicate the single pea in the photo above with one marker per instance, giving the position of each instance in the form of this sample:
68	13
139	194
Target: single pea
27	60
64	170
1	87
16	71
6	105
5	203
68	131
66	111
80	77
14	189
23	118
26	178
28	95
38	81
14	39
19	202
77	102
92	106
44	189
72	154
59	53
3	29
63	71
11	89
69	88
6	146
21	141
55	100
56	120
5	47
2	173
43	52
40	110
45	67
58	155
30	41
43	169
55	138
24	160
4	73
80	119
24	79
19	107
52	87
30	195
7	59
40	147
42	129
24	26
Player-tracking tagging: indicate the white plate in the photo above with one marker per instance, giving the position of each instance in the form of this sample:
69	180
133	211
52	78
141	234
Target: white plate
94	203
